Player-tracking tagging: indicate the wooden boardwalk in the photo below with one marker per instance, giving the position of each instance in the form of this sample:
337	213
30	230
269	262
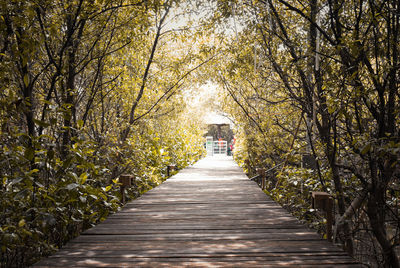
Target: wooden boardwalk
208	215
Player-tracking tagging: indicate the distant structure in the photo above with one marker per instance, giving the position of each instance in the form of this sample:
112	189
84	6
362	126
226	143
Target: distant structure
219	135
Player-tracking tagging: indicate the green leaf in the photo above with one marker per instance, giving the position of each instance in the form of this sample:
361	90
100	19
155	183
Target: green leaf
24	63
26	80
79	124
29	153
366	149
26	232
103	196
41	123
49	197
108	188
68	162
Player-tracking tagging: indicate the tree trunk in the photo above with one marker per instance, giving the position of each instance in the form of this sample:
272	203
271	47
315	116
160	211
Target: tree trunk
377	220
70	114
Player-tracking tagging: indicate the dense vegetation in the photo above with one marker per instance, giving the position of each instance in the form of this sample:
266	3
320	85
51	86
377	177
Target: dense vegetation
89	90
92	89
320	80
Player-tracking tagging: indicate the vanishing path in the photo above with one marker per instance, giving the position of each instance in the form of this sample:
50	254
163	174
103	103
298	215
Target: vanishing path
208	215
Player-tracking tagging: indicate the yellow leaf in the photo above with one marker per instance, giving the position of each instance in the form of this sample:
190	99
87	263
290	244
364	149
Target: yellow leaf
21	223
83	177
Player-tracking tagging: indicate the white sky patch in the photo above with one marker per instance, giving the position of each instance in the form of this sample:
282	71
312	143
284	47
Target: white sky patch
202	102
203	95
214	117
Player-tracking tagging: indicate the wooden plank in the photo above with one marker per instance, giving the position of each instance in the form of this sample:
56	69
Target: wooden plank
337	260
210	221
91	262
109	235
192	229
205	247
208	215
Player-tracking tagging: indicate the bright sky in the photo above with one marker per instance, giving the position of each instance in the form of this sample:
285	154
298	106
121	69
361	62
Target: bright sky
202	101
214	117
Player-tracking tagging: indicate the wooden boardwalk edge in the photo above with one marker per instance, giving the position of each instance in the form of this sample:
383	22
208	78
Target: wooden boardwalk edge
208	215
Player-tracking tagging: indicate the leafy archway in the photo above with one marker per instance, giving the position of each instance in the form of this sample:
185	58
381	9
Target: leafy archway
94	89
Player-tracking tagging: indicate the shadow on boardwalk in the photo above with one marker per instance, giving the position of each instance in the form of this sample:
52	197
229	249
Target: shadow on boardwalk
208	215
